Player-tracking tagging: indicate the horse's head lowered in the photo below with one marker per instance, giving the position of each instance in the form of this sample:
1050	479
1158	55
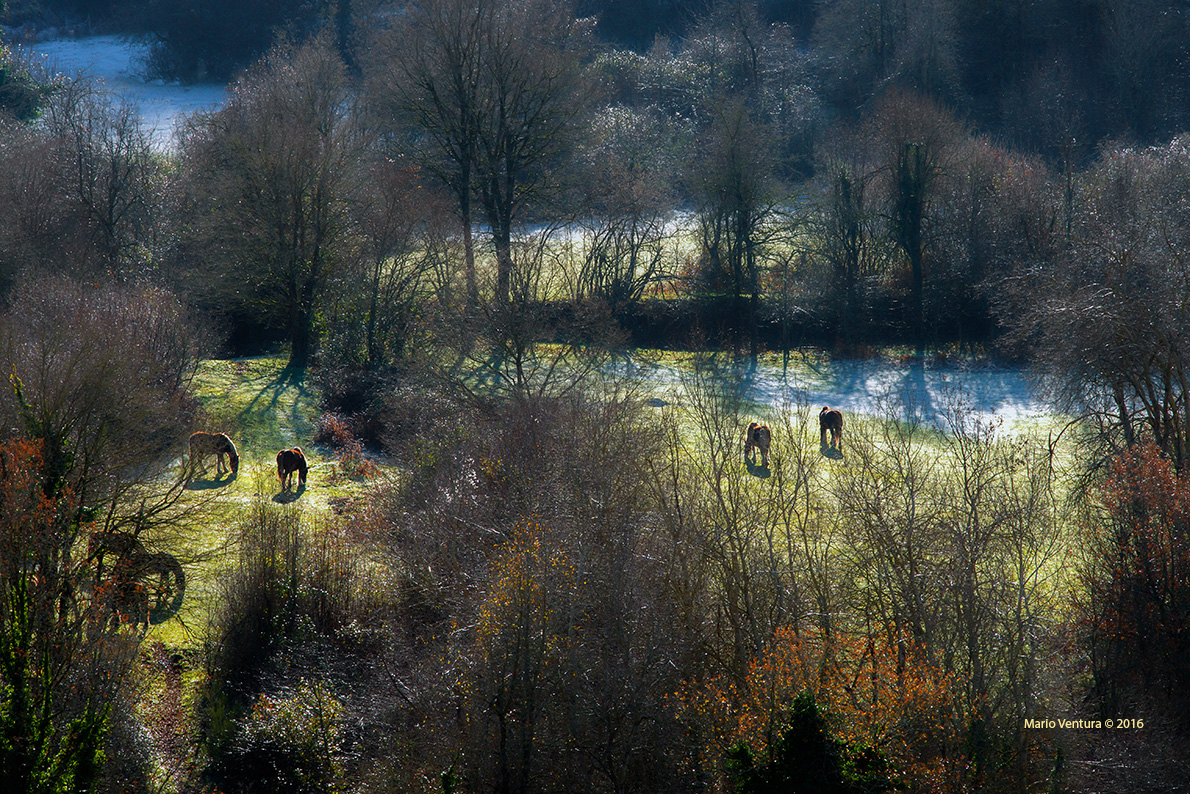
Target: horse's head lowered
233	455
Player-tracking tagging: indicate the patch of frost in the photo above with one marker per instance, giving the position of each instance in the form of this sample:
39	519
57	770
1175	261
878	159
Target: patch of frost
118	63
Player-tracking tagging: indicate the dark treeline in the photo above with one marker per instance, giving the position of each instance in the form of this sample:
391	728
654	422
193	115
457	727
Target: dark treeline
1031	74
453	215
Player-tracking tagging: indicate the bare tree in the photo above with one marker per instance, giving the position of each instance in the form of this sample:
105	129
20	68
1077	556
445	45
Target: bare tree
950	548
1106	319
110	170
737	209
626	171
101	380
398	221
268	178
846	245
917	139
64	655
739	571
81	188
531	89
490	89
428	75
97	406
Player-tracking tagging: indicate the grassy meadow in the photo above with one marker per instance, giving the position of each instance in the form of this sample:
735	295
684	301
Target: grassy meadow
796	508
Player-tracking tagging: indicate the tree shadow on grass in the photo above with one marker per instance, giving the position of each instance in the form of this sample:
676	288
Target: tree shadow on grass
268	403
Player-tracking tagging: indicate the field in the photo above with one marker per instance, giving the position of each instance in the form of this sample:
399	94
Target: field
264	409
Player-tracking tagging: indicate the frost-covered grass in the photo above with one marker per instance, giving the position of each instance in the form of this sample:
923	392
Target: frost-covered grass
119	63
888	383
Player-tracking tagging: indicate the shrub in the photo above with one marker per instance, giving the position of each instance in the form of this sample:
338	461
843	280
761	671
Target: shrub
21	94
334	429
291	741
289	614
1136	609
63	661
806	757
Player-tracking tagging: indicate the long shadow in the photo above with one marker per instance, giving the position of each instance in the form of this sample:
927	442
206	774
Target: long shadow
758	471
268	399
289	497
838	382
276	386
834	453
734	374
206	485
915	393
166	586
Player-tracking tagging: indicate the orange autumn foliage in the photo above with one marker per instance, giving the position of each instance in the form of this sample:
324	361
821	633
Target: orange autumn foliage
889	697
1135	612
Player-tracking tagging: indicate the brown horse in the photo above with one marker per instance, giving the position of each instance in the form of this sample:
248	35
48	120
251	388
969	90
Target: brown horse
759	437
831	419
217	444
289	461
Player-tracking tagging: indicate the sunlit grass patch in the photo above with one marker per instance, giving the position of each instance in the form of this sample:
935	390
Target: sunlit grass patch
257	401
264	408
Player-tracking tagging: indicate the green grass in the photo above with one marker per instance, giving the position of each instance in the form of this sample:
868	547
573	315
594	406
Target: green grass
264	408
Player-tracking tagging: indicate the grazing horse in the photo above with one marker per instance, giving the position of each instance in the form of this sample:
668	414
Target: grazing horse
217	444
759	437
289	461
831	419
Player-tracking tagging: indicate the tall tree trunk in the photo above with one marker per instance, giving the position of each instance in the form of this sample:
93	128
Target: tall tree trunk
503	242
468	237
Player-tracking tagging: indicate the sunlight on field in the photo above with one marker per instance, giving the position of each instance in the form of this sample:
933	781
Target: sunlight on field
708	400
264	409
